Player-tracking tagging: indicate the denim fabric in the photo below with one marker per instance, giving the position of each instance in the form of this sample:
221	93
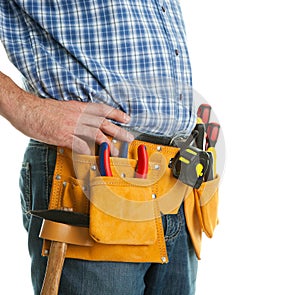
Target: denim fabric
35	184
107	278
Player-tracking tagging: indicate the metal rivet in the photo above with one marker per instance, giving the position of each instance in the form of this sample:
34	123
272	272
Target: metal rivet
156	167
64	183
61	150
46	252
67	209
158	148
123	175
164	259
114	141
58	177
93	167
153	196
84	188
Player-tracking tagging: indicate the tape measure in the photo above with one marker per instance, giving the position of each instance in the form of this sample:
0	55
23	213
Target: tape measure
190	165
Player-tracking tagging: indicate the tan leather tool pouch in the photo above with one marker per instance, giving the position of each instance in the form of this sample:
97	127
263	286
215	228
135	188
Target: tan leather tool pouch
125	212
207	201
122	210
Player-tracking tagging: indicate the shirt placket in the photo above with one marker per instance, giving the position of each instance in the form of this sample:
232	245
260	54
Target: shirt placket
178	52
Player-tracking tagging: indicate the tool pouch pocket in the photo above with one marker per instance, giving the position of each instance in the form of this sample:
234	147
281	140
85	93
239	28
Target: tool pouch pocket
73	195
206	201
70	187
122	211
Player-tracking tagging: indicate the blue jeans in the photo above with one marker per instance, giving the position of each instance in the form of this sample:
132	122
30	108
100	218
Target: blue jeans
108	278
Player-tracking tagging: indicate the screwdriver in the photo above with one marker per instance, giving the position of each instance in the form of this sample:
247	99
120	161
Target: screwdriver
124	150
203	112
212	131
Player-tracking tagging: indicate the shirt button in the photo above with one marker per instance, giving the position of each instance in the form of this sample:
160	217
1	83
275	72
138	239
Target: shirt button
176	52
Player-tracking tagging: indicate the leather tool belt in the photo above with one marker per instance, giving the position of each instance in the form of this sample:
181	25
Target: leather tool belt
124	212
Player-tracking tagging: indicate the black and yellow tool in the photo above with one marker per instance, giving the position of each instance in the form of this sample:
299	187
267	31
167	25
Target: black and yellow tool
200	138
190	165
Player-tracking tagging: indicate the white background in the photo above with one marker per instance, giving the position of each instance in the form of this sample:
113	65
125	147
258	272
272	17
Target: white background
246	64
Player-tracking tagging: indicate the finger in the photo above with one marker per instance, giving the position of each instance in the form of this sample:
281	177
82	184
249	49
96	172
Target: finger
116	131
80	146
90	120
100	138
84	133
113	149
106	111
107	127
88	133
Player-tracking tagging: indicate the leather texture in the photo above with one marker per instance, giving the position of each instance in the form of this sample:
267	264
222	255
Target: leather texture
125	212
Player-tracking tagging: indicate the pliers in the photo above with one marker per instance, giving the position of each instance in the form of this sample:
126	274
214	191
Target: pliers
104	162
142	164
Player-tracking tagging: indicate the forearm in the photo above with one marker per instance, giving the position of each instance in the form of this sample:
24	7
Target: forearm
16	105
9	97
60	123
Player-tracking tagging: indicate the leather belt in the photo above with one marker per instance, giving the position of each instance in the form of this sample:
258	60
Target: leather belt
163	140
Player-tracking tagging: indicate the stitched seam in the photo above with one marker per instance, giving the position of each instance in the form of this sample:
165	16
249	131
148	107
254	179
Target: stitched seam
178	230
159	227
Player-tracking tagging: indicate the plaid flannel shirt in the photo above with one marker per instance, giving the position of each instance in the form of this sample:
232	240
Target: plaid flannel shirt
131	55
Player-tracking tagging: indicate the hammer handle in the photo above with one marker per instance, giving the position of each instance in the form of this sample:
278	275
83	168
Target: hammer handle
55	264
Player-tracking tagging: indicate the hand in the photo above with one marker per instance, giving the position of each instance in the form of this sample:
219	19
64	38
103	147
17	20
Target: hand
73	124
70	124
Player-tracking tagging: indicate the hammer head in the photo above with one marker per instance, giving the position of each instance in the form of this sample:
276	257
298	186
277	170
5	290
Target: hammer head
63	216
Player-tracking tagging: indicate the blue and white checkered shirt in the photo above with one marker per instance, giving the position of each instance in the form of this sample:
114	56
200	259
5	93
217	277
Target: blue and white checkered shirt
131	55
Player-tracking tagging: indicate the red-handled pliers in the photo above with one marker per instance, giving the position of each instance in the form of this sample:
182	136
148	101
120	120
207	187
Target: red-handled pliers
104	163
142	164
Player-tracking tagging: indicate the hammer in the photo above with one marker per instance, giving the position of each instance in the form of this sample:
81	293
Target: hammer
63	221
